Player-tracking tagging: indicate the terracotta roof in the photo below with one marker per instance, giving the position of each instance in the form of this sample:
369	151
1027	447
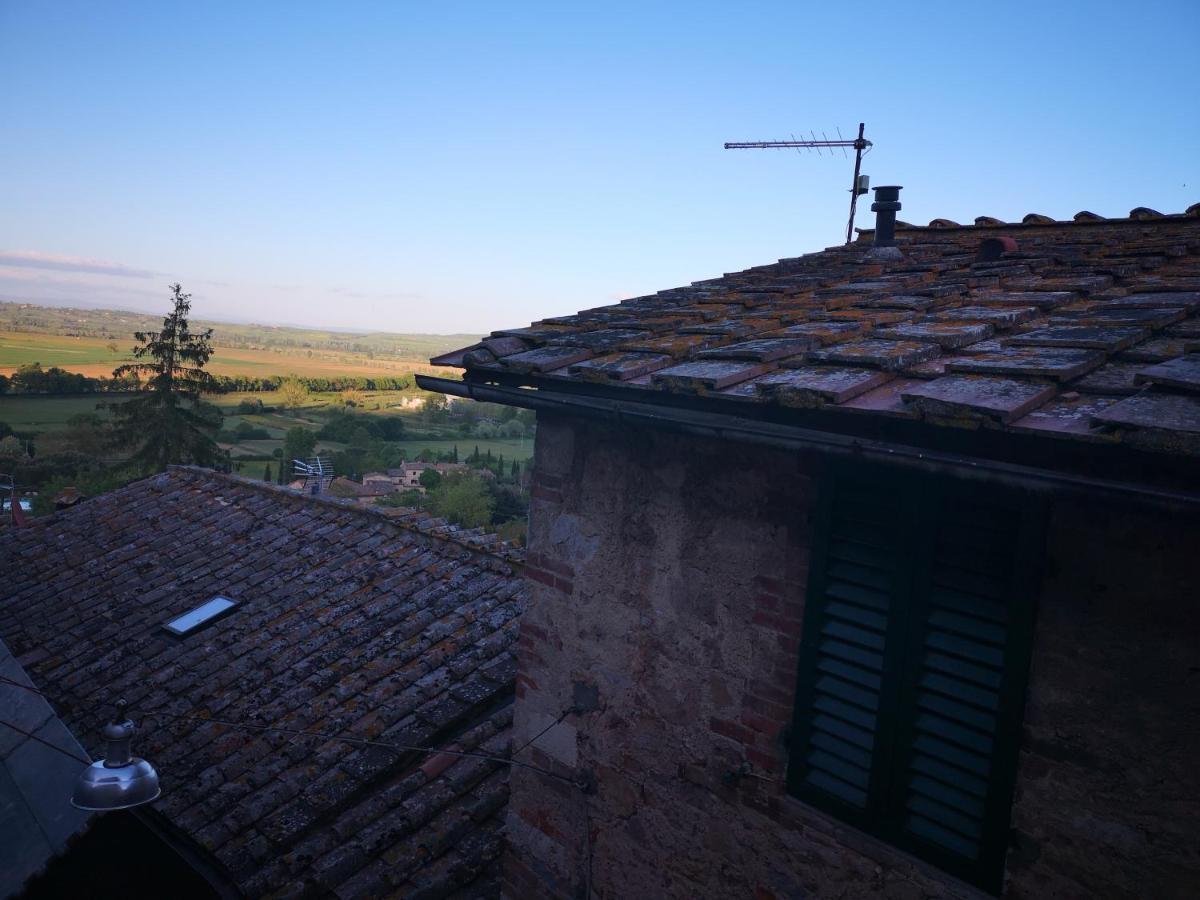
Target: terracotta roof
1085	330
348	623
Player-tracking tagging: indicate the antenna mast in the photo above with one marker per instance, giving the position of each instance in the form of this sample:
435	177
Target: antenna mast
859	144
317	474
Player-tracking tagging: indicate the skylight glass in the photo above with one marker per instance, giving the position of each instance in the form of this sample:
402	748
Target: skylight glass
201	615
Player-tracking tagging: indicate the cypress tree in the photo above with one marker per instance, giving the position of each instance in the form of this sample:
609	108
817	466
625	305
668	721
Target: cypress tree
267	473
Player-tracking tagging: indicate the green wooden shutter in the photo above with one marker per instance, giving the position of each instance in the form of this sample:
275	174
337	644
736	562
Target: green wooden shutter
970	630
913	664
859	572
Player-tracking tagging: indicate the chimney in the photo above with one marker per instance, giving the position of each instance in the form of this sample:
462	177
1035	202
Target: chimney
886	205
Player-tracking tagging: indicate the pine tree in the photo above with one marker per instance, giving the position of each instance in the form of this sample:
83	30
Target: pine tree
168	422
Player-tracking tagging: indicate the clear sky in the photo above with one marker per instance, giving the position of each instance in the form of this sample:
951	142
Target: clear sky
443	167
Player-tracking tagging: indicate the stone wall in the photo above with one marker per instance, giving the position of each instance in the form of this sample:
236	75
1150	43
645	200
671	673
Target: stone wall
657	662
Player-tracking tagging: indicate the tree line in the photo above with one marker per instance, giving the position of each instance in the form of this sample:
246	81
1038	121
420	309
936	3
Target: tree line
34	379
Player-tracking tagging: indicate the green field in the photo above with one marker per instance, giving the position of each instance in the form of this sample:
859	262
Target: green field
97	357
46	412
36	412
27	413
511	448
55	350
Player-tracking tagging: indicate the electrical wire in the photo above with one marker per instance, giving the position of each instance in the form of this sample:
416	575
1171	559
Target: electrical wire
365	742
29	734
557	721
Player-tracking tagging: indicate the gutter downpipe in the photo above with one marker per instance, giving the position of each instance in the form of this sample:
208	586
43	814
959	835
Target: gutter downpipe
707	424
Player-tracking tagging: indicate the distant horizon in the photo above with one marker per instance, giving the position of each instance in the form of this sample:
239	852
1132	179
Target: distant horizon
195	317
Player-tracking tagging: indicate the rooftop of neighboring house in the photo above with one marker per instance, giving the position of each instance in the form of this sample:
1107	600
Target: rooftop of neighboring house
347	623
1081	334
350	487
35	765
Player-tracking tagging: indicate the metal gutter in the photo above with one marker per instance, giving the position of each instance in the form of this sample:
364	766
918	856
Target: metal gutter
828	443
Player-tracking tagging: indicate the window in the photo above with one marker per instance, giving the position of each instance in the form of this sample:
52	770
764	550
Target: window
914	659
201	615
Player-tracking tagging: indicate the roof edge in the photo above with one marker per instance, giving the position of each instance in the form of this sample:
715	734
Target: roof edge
908	228
508	555
797	437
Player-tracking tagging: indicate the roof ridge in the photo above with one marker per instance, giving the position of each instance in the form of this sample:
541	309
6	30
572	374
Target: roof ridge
1082	219
505	552
438	529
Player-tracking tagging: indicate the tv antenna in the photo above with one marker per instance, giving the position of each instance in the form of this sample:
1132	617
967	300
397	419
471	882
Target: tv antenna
860	144
317	473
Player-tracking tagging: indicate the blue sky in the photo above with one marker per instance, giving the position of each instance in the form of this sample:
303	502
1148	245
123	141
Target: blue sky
463	167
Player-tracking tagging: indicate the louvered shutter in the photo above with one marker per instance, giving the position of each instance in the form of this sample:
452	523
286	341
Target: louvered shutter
913	663
970	630
859	571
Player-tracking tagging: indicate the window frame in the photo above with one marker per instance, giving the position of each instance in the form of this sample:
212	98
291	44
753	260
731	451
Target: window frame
924	498
184	633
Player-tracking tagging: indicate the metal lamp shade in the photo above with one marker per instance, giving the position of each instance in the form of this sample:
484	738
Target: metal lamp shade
99	787
119	781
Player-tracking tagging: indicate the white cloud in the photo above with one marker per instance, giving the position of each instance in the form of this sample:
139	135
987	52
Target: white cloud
35	259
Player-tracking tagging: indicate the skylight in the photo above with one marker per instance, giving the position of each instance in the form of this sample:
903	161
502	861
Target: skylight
201	615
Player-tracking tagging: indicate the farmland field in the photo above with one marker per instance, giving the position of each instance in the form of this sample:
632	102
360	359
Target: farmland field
27	413
46	412
94	357
39	412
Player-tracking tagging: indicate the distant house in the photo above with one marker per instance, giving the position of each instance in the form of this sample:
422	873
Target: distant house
367	491
346	627
379	481
867	573
408	476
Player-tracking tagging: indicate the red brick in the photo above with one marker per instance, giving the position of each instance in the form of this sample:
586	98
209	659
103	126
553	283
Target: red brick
769	763
528	682
528	628
769	585
728	729
777	712
789	643
540	820
762	724
547	480
767	602
779	623
776	692
557	567
538	575
542	493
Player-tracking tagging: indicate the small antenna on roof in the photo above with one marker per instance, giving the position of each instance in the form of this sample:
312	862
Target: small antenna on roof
858	186
316	471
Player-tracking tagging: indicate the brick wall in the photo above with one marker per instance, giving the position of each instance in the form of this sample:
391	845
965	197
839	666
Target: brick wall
658	656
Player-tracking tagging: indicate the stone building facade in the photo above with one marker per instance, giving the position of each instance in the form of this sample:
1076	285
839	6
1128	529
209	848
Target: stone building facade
866	573
668	576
